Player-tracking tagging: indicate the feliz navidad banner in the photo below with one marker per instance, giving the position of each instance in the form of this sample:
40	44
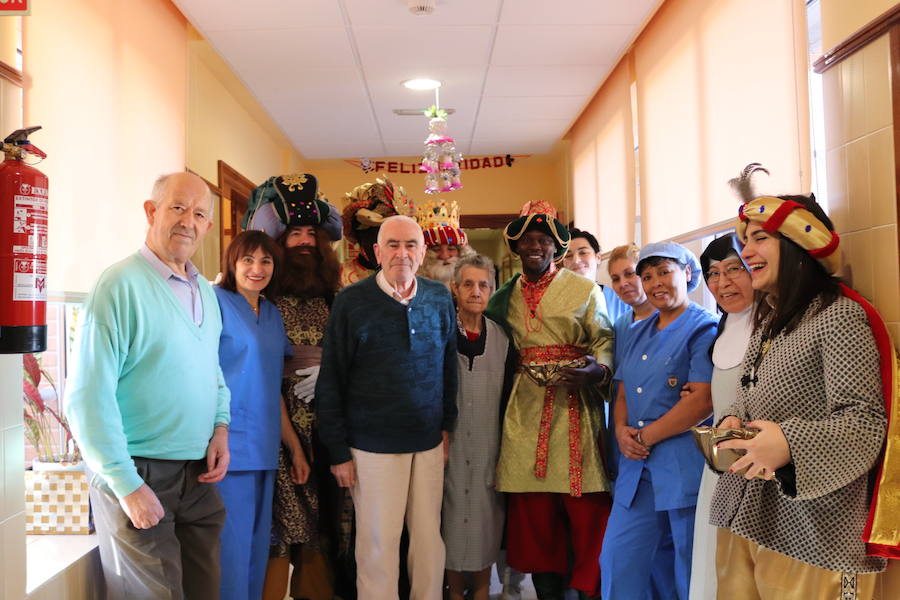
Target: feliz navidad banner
472	163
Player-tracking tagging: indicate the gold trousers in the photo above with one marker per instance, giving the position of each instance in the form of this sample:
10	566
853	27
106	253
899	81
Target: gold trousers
747	571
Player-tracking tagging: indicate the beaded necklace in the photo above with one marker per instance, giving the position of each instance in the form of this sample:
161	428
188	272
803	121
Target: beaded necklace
532	292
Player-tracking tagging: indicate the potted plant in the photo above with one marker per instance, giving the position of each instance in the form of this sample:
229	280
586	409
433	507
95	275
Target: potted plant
56	490
43	424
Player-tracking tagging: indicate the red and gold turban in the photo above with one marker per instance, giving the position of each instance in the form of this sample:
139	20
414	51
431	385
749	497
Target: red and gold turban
793	220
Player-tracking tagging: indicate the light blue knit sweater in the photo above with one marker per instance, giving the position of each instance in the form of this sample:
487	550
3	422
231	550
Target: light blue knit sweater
146	380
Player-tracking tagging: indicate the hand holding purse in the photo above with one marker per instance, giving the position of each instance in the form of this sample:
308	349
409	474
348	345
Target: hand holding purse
720	459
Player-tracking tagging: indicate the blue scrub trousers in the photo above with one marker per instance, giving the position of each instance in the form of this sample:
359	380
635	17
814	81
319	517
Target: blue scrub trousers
643	544
247	532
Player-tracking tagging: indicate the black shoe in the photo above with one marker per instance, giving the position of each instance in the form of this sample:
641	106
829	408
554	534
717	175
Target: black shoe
549	586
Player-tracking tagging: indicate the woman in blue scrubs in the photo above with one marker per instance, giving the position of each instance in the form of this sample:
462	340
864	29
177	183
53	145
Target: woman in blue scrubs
659	468
252	350
622	268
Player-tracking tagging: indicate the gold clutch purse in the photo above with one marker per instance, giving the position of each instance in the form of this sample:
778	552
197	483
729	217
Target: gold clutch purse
720	459
549	374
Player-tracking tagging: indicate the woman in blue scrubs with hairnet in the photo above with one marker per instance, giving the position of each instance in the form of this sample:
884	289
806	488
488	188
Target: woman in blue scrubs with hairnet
659	474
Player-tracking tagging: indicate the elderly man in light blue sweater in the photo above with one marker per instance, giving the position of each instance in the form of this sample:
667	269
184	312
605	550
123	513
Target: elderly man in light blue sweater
149	407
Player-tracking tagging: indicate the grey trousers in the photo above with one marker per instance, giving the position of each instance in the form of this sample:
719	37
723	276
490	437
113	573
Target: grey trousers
178	559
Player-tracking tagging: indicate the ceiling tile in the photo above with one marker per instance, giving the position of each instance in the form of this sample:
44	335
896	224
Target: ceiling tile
446	12
502	129
544	81
511	146
401	148
332	149
329	88
329	71
536	107
560	44
415	129
418	48
577	12
313	48
215	15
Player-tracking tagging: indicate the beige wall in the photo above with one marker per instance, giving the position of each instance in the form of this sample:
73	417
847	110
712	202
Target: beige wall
862	198
841	18
226	123
495	190
110	87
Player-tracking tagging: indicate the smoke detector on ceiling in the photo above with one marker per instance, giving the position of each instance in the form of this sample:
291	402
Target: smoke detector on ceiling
420	7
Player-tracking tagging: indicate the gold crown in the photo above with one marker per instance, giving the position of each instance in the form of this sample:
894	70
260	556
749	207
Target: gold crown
438	213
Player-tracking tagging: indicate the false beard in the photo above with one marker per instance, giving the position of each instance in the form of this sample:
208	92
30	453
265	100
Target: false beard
302	276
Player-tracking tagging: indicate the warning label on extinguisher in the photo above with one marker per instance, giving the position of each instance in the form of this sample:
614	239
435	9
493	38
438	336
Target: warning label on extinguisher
30	225
29	229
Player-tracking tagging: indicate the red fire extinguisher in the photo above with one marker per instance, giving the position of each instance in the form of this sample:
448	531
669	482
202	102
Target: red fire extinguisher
23	248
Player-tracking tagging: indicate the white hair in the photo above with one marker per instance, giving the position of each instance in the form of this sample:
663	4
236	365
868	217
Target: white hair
401	219
478	261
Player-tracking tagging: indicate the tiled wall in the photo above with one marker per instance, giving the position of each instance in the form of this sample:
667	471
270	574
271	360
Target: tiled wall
12	439
12	492
862	198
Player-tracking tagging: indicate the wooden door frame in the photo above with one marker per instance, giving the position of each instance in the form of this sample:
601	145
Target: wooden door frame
236	189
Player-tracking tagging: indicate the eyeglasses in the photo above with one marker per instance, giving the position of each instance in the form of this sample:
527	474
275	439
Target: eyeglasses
732	272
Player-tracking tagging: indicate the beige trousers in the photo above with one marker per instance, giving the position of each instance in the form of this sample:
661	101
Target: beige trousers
747	571
389	488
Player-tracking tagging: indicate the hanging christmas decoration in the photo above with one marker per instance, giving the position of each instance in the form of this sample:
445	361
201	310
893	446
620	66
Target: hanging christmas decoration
440	162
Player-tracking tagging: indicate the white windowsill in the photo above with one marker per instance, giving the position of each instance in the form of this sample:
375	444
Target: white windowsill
50	555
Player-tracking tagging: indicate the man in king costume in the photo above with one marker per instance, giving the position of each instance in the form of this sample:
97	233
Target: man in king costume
312	523
445	241
550	457
368	205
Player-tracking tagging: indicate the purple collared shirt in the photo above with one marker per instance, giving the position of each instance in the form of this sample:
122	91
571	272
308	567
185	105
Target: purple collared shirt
187	291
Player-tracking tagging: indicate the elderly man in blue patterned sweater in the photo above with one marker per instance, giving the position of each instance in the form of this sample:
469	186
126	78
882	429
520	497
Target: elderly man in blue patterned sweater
386	401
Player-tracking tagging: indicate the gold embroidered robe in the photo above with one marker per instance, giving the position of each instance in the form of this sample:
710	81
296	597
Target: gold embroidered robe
571	311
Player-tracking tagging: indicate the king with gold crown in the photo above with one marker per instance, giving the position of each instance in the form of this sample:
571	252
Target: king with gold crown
445	241
366	207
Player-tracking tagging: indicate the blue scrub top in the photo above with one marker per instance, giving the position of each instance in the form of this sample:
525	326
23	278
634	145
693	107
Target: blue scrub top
653	367
623	327
251	354
615	308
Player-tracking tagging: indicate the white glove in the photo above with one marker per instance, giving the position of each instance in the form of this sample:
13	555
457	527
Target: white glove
306	389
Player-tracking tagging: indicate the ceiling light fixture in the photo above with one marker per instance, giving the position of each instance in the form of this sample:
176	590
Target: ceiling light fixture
417	112
420	7
421	84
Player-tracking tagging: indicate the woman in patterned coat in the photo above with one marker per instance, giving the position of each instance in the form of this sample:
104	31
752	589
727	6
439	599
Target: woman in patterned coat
793	510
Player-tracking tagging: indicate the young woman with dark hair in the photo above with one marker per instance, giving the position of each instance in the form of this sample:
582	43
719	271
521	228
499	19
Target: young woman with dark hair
583	257
793	510
252	349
